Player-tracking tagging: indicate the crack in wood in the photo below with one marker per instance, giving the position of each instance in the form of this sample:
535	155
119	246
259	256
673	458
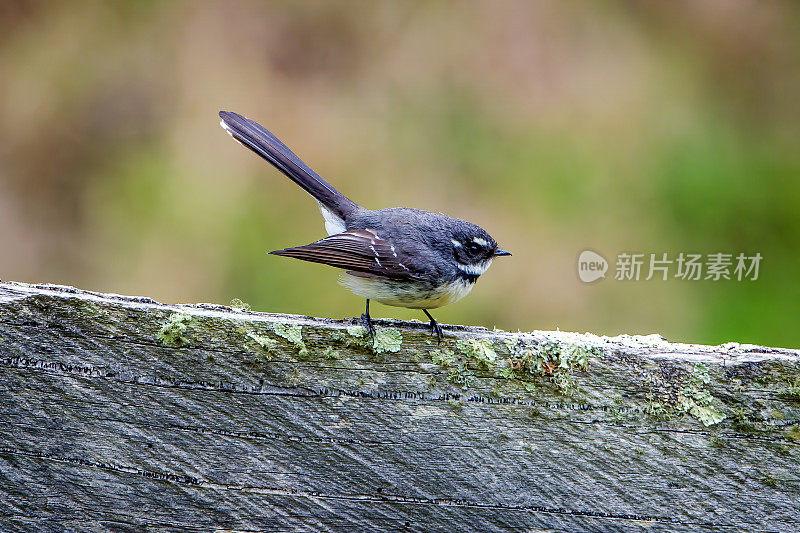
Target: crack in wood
381	498
27	363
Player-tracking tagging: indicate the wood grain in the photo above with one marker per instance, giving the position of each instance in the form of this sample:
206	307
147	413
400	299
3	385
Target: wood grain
226	421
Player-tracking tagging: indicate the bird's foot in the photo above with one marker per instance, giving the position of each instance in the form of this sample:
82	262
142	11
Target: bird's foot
366	321
436	329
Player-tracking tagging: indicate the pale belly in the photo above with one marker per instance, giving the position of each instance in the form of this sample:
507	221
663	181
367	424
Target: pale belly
403	294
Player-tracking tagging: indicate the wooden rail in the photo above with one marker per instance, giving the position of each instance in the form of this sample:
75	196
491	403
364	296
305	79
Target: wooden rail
120	413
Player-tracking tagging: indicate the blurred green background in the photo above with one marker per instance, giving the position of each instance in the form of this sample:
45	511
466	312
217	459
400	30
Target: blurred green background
557	125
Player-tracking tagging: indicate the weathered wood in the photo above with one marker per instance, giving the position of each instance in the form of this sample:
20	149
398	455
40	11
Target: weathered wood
123	413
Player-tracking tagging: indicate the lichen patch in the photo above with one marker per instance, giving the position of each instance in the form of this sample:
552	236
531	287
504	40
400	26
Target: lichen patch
174	332
387	340
293	334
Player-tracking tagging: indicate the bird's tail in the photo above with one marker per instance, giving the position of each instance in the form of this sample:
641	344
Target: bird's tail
257	138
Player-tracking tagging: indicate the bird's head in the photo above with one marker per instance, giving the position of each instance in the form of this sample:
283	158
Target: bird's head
473	249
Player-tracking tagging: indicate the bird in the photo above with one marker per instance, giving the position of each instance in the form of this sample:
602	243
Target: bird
398	256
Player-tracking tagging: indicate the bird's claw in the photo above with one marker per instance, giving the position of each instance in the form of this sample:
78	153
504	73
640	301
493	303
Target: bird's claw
436	329
366	321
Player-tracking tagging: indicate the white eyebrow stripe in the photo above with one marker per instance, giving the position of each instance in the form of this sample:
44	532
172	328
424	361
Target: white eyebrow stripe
479	241
455	243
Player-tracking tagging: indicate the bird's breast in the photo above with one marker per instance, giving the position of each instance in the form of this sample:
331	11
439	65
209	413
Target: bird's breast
413	295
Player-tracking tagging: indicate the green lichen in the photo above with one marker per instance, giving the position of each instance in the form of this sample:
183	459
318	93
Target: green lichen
526	362
551	360
265	344
353	336
480	351
695	400
293	334
506	372
575	356
330	353
356	331
173	332
461	375
743	422
236	303
565	383
675	393
262	341
443	357
791	392
456	366
255	342
657	409
387	340
357	336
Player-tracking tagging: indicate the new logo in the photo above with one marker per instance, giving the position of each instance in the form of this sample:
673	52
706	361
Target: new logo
591	266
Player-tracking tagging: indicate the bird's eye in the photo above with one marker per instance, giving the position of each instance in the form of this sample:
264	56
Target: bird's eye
472	247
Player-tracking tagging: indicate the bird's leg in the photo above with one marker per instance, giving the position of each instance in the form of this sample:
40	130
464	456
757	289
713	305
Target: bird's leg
435	327
366	321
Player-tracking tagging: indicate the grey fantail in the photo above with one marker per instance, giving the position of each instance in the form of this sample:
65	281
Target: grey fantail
397	256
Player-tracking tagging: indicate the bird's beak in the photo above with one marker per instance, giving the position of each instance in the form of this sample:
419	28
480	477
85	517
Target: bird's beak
501	252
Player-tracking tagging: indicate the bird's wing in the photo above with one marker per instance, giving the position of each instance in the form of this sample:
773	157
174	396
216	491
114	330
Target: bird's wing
361	252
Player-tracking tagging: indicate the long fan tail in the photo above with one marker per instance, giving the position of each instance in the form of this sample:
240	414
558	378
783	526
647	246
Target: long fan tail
258	139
